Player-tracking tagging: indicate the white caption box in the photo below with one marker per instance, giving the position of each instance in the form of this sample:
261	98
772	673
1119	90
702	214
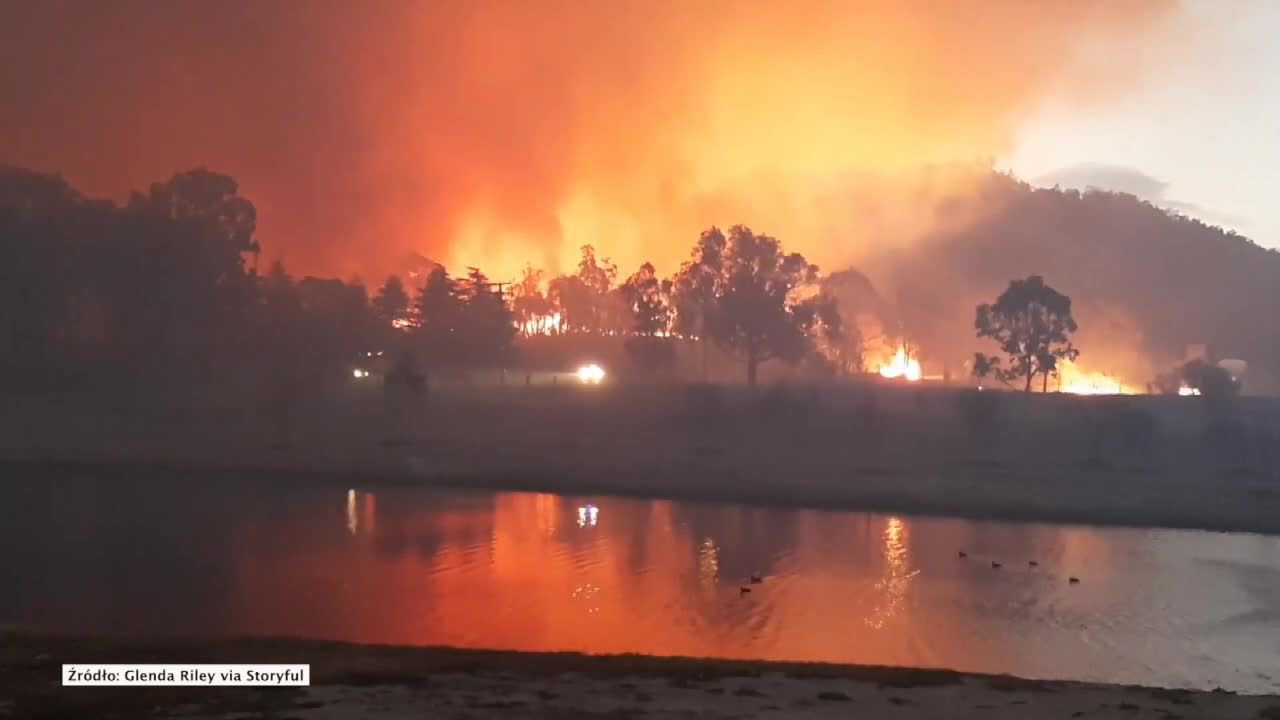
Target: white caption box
186	675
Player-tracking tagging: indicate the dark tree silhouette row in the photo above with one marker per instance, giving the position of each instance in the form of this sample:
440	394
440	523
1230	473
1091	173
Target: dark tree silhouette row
164	290
740	291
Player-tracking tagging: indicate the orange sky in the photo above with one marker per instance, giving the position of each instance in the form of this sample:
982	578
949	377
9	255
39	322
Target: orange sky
503	131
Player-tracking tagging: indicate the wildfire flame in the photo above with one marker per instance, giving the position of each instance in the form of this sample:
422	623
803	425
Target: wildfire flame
901	366
548	324
1078	381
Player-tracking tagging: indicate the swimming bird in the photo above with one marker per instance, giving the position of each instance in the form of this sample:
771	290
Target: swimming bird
963	554
1073	580
1033	563
995	564
744	589
756	578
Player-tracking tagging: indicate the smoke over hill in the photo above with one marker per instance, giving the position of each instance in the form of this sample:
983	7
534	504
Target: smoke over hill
1146	282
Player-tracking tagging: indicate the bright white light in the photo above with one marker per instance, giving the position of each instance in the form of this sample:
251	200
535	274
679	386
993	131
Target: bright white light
591	374
588	515
902	367
353	519
358	373
1184	391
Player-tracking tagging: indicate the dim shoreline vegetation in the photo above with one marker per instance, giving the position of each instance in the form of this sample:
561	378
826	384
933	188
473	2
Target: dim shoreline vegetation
913	449
402	682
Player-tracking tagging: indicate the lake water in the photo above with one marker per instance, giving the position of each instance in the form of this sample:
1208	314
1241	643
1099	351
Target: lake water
546	572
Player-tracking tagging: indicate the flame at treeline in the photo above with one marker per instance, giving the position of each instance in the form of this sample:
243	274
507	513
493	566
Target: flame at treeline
901	366
536	306
1074	378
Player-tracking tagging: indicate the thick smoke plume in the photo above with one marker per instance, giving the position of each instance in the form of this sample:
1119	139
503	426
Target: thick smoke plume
498	132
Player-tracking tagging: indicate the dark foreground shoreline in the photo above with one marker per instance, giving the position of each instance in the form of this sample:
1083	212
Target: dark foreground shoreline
403	682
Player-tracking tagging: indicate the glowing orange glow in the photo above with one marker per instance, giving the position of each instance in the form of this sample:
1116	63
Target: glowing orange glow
493	134
548	324
1079	381
901	366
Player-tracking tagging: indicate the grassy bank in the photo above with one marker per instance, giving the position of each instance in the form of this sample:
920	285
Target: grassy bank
1163	461
400	682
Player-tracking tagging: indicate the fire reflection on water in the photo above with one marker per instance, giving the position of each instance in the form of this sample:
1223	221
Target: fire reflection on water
417	566
515	570
587	593
536	557
353	521
588	516
896	582
361	512
547	507
708	562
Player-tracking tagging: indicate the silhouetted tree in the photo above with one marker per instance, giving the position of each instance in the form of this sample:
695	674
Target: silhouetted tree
596	273
486	327
336	323
754	312
572	299
530	306
463	322
584	299
1032	323
391	304
439	314
836	345
1211	380
696	287
208	202
1198	374
648	300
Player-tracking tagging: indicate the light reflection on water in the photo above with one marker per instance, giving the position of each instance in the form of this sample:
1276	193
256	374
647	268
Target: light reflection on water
895	582
546	572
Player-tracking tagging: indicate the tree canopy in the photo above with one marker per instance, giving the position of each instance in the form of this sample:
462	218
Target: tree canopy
391	304
745	292
1032	324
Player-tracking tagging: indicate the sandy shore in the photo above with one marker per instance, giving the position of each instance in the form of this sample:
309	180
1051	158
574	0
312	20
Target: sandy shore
397	682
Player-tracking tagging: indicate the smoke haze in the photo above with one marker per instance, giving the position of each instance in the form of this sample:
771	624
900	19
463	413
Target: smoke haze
496	132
